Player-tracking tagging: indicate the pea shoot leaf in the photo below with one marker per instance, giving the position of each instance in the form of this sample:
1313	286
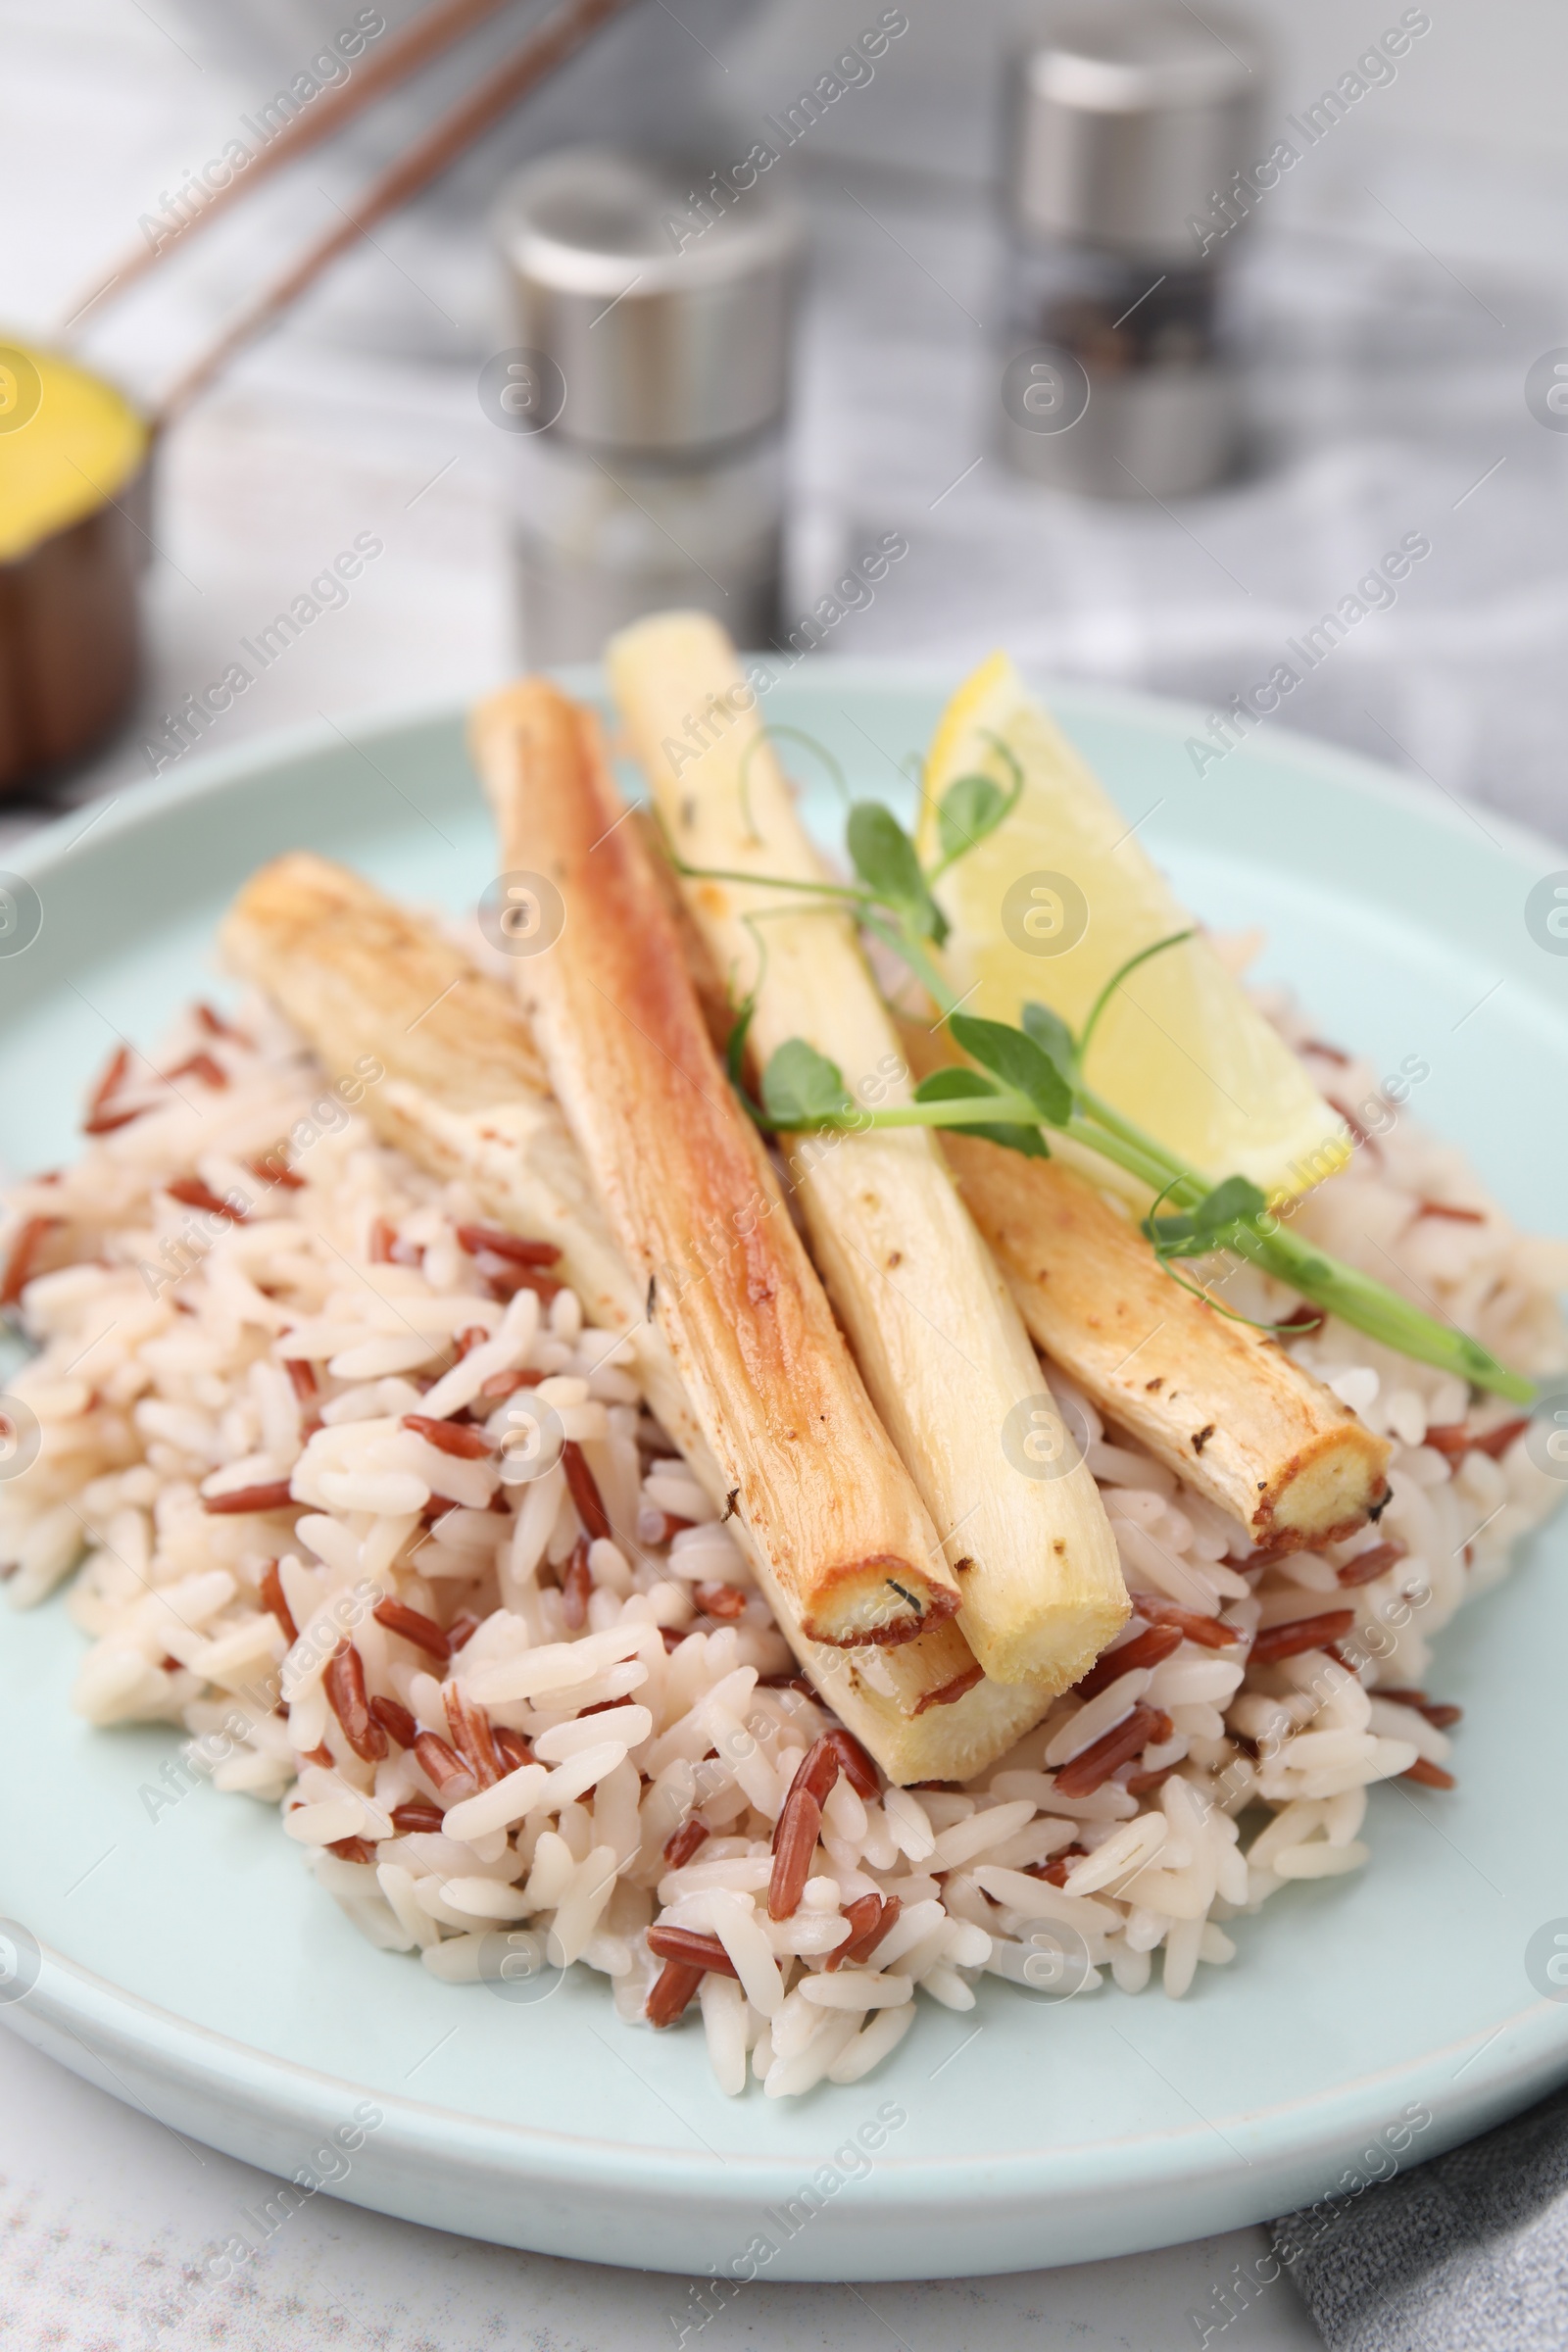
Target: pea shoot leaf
801	1087
1238	1197
884	856
1018	1061
1202	1228
969	1086
971	807
1051	1035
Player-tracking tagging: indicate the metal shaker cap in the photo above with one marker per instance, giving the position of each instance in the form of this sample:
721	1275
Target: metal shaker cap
664	302
1126	120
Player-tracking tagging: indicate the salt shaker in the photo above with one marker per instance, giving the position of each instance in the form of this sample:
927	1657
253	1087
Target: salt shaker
1129	135
646	397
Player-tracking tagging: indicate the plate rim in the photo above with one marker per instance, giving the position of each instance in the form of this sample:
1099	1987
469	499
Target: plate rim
1529	2050
215	771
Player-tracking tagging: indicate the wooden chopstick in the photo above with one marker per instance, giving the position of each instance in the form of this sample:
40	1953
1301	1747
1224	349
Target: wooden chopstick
433	31
558	37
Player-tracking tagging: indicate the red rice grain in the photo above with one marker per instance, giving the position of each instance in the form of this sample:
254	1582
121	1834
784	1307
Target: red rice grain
576	1587
270	1167
1054	1871
1497	1441
1145	1727
697	1950
417	1819
1143	1649
412	1626
442	1766
677	1982
108	1086
198	1065
723	1602
273	1595
449	1437
353	1850
1299	1634
1453	1439
506	1383
950	1692
1438	1713
18	1265
462	1630
817	1770
274	1497
396	1721
584	1488
471	1737
474	1237
681	1846
1209	1633
215	1026
506	1280
191	1193
868	1918
1368	1565
1429	1776
795	1837
344	1684
511	1746
855	1764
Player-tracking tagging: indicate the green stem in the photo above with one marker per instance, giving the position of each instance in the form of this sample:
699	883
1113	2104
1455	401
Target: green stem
895	936
1359	1300
1117	977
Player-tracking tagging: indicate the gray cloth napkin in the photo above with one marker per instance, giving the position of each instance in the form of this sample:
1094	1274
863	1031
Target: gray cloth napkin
1467	2253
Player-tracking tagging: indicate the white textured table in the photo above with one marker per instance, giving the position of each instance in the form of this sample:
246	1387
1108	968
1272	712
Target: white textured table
363	418
104	2215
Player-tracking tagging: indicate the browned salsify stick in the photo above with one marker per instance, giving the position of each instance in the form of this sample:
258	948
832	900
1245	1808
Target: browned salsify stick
691	1198
1218	1402
558	37
374	988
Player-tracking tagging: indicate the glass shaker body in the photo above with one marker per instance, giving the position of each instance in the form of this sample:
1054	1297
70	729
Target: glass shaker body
646	399
600	537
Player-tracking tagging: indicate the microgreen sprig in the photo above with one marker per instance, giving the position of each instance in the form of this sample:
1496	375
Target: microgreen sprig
1022	1082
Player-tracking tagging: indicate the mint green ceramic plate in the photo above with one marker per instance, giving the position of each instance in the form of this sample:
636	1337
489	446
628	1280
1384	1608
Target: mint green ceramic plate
190	1966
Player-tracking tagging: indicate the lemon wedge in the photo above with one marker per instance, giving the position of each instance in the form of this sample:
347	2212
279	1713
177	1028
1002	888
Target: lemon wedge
1048	905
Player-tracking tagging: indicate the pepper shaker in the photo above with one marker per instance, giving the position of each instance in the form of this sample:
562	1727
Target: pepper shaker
646	396
1127	127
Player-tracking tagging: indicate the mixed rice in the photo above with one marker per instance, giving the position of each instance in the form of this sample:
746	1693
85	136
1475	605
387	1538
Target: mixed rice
353	1497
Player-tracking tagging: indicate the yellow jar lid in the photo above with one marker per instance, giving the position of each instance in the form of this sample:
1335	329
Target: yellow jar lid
69	442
